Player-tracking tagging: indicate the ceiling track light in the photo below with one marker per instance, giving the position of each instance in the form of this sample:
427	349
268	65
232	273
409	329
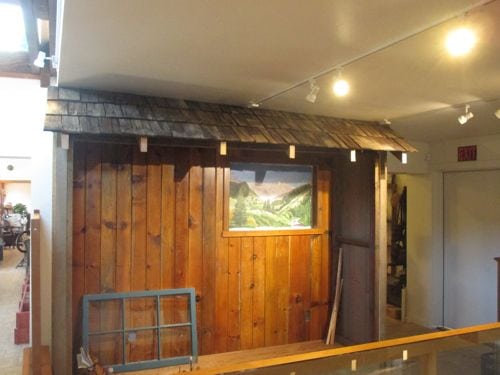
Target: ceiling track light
462	119
340	86
313	91
376	49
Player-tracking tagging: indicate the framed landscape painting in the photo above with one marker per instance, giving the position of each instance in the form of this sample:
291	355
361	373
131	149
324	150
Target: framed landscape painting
270	196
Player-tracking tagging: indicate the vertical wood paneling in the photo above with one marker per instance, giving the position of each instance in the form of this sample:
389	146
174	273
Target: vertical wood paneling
324	185
137	312
108	220
181	248
208	290
233	294
155	220
259	292
78	258
108	314
315	277
167	240
195	234
93	227
221	270
300	289
282	270
247	288
271	307
124	218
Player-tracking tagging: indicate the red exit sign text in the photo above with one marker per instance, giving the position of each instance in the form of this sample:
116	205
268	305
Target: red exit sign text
467	153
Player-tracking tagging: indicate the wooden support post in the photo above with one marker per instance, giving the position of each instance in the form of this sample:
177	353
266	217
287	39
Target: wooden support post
36	328
497	259
380	289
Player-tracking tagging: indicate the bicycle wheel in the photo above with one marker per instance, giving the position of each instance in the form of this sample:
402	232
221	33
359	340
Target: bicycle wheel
21	240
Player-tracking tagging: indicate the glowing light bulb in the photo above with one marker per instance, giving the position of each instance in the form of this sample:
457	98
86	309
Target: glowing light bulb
460	42
341	87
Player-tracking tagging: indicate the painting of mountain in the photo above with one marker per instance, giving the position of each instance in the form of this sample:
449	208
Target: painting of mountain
269	196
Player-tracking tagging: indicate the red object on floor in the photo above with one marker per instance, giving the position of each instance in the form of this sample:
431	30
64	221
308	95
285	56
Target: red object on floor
21	336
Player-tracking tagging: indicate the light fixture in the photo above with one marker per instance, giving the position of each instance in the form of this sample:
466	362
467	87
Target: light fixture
254	105
340	86
313	91
497	113
460	42
462	119
223	148
40	59
353	156
404	158
291	151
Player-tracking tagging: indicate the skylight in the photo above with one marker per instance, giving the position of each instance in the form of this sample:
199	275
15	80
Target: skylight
12	32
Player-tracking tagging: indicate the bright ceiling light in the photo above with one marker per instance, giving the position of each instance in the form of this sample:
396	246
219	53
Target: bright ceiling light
341	87
465	117
497	113
313	91
460	41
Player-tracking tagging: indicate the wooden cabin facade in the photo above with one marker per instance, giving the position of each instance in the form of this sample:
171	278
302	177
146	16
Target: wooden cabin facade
159	219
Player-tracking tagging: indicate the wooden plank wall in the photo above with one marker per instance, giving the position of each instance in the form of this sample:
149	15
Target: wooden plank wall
144	221
354	221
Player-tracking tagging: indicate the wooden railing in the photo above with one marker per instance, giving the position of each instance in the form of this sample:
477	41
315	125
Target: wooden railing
363	349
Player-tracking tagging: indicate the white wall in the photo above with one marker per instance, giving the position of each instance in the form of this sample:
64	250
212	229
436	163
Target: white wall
424	178
18	192
419	246
21	167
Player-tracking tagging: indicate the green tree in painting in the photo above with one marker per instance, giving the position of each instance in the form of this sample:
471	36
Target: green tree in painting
240	213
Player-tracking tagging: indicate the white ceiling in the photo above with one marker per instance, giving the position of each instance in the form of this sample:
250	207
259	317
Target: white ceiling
241	51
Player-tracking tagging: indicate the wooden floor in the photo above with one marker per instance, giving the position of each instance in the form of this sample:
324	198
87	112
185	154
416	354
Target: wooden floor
396	328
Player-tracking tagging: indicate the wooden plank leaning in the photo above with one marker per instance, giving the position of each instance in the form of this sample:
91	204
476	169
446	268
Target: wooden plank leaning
330	337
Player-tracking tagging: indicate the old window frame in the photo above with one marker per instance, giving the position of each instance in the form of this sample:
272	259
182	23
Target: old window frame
158	294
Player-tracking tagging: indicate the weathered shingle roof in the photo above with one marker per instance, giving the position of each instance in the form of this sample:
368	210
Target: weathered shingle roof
78	111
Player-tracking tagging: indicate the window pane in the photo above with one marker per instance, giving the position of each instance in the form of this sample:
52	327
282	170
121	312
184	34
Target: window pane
142	345
105	316
107	348
174	309
175	342
140	312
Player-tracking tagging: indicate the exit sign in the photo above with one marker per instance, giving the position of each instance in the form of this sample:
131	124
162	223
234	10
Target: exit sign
467	153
